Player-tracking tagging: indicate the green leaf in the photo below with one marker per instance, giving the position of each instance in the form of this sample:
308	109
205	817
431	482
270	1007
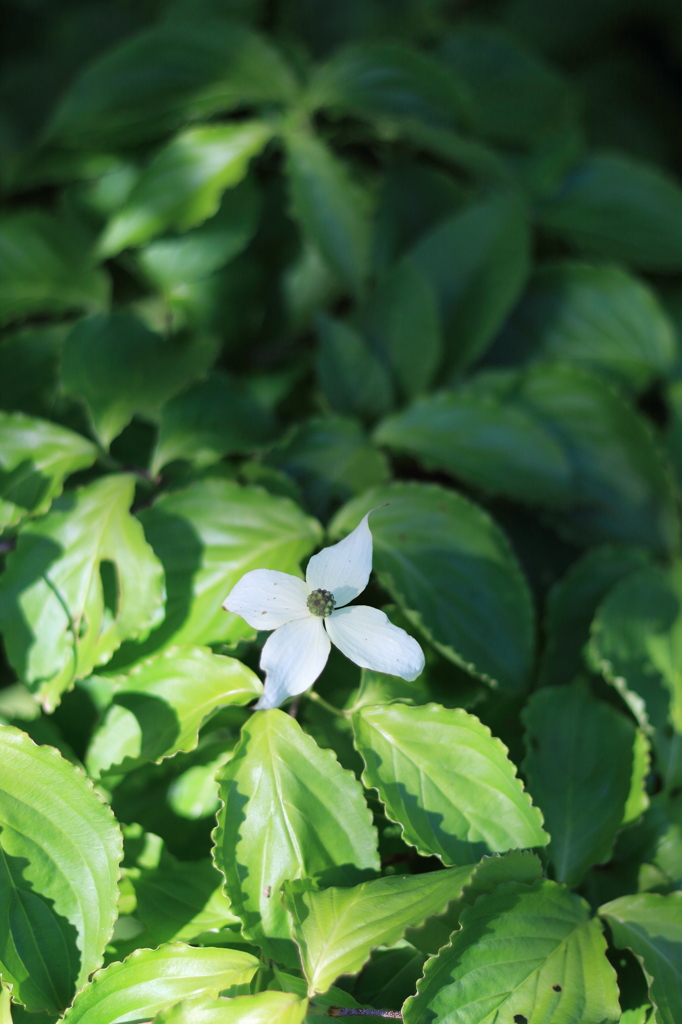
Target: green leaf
616	207
289	811
599	317
572	603
81	580
159	708
262	1008
582	755
214	418
331	209
330	459
446	780
171	262
378	81
96	368
161	78
530	954
555	436
35	459
431	546
183	185
477	262
353	379
402	324
517	99
150	980
651	926
207	537
60	849
635	644
29	369
336	929
46	266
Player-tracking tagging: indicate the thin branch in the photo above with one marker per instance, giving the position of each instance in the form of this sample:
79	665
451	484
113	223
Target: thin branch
350	1011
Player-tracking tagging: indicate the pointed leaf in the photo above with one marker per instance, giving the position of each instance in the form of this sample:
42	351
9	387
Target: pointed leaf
35	459
553	435
527	953
289	811
262	1008
159	708
150	980
651	926
477	262
582	754
331	209
46	267
81	580
60	849
622	209
159	79
352	377
431	546
336	929
183	184
207	537
96	368
446	780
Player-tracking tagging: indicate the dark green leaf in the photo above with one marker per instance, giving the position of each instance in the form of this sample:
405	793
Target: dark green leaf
446	780
586	774
289	811
477	262
433	546
96	368
60	849
331	209
530	954
354	381
35	458
615	207
163	77
553	435
46	266
81	580
212	419
29	369
651	926
183	185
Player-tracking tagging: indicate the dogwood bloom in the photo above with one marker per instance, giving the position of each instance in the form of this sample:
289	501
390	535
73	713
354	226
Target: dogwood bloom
307	617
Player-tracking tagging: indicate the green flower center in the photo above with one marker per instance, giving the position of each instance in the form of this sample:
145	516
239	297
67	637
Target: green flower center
321	602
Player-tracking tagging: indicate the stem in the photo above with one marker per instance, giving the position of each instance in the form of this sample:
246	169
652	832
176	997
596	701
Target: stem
326	705
348	1011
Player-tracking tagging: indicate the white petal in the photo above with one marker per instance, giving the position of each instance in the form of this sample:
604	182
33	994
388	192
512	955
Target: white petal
343	568
366	636
292	659
267	598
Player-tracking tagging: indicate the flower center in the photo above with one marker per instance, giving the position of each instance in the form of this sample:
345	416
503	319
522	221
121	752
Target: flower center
321	602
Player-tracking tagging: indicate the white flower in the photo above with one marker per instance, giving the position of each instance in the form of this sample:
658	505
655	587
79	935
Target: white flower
308	617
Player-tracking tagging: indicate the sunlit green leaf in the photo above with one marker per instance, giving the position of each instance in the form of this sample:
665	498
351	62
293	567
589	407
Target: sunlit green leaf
36	456
432	546
81	580
60	848
151	980
533	954
99	355
289	811
651	926
262	1008
446	780
159	708
182	186
582	755
336	929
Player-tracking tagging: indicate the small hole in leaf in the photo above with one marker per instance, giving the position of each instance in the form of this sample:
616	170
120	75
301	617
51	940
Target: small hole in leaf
557	988
108	574
520	1019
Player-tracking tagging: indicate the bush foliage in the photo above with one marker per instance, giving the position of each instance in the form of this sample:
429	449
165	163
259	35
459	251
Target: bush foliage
265	266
